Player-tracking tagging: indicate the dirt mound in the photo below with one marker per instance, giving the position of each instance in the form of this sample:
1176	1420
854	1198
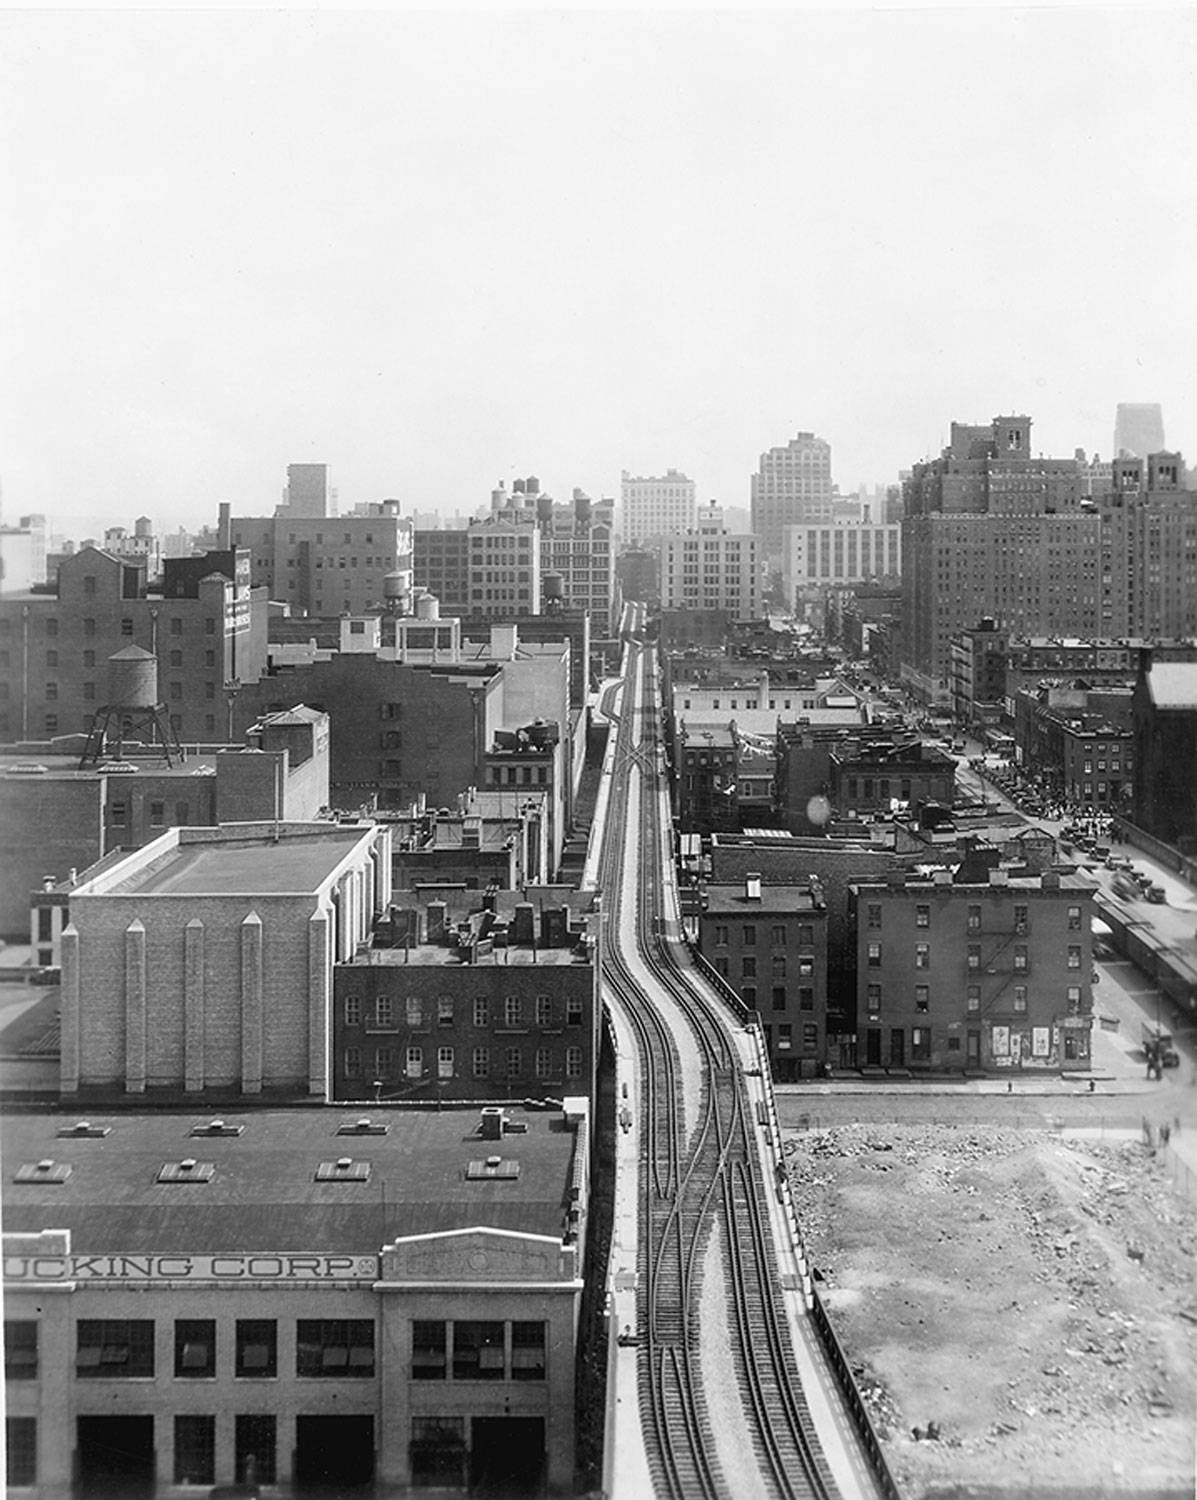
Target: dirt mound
1029	1299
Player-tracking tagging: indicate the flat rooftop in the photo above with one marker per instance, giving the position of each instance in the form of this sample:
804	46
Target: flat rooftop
263	1192
442	955
774	900
66	767
241	867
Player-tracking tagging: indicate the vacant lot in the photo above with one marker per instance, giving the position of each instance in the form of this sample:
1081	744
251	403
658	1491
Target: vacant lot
1034	1297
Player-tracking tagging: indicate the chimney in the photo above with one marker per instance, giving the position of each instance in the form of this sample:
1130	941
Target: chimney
752	887
523	926
436	922
492	1123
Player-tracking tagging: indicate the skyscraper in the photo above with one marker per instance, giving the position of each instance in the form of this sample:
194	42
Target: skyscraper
1138	429
792	487
655	506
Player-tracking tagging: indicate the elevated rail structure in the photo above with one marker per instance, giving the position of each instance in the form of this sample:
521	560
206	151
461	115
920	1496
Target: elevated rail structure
741	1389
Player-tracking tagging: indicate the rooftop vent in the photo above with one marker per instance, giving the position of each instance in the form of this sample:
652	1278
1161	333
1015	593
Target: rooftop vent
85	1130
752	887
493	1122
493	1169
216	1127
187	1170
344	1169
364	1125
42	1171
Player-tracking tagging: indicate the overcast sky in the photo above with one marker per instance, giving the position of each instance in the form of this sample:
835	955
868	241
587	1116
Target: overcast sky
436	251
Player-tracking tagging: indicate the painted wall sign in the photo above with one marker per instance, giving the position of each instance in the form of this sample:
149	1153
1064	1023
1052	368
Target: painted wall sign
227	1269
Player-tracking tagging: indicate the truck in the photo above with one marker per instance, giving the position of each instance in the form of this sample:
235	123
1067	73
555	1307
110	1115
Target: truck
1158	1047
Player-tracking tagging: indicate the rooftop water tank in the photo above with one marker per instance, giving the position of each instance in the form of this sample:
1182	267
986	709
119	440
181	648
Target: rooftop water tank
133	678
428	607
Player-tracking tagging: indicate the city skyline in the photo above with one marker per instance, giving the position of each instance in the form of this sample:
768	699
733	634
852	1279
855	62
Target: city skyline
439	252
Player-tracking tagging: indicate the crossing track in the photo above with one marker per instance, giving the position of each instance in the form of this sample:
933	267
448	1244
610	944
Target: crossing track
698	1178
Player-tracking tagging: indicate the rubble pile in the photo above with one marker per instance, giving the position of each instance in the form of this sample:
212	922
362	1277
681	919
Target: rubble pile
1020	1308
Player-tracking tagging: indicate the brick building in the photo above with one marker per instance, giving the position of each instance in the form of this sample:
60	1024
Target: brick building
306	1300
770	943
1078	743
206	628
202	964
472	998
866	778
984	971
1165	740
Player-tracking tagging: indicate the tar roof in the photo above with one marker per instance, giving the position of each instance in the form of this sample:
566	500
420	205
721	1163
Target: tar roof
263	1192
234	867
774	899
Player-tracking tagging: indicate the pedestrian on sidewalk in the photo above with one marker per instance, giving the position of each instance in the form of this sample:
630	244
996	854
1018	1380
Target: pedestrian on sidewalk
1165	1133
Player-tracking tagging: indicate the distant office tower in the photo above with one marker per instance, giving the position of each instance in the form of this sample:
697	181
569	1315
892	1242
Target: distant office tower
307	492
1138	429
655	507
710	569
792	487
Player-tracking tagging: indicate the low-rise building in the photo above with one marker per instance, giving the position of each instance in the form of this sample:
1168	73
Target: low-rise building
1078	743
984	970
201	965
868	778
464	996
303	1300
770	943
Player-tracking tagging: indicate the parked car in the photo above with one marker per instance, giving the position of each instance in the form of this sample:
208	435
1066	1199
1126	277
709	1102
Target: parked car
1156	895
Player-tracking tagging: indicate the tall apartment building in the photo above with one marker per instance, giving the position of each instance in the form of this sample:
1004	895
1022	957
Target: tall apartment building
991	530
709	568
792	487
527	554
306	492
839	554
1149	559
1138	429
327	565
205	624
656	506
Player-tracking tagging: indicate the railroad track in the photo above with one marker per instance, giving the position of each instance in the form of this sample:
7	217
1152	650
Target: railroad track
698	1178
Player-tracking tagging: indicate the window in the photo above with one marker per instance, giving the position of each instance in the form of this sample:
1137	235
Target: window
922	955
114	1348
1074	999
750	936
922	997
514	1062
51	659
428	1348
89	657
973	997
974	955
1074	919
444	1010
806	997
573	1011
20	1349
1021	960
874	914
195	1450
513	1010
51	723
413	1062
779	997
384	1011
1020	997
126	627
748	967
89	628
920	1044
720	936
785	1037
779	966
974	919
1074	956
257	1347
353	1062
21	1450
52	626
478	1352
176	626
195	1348
176	658
157	814
384	1062
573	1062
415	1011
544	1010
810	1037
255	1438
1021	918
335	1346
444	1062
779	937
353	1010
527	1351
874	955
873	999
922	916
481	1012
